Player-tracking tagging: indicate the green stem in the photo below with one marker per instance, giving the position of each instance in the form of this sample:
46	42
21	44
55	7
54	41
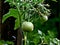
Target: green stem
28	17
25	38
19	15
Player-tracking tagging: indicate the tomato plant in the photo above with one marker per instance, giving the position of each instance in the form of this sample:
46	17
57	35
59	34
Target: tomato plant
34	12
27	10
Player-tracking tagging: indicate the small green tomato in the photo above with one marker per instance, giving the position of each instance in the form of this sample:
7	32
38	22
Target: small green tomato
27	26
45	18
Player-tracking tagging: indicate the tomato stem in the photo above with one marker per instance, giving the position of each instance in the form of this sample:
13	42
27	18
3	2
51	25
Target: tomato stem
25	38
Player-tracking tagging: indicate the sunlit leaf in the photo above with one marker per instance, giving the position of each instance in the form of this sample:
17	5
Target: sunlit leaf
14	13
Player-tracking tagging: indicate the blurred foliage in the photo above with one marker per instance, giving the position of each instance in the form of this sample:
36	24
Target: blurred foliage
40	38
2	42
45	32
54	0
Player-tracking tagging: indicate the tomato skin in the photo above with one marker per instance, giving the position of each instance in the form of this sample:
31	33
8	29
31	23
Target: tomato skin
27	26
45	18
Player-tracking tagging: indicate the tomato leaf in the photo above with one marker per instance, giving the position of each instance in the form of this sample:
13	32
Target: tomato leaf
14	13
17	23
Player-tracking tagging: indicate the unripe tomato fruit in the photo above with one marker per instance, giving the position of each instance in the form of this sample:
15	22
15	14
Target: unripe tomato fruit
45	18
27	26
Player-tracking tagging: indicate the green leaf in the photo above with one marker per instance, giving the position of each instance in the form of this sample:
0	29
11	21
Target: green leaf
54	0
17	23
14	13
8	0
51	43
41	1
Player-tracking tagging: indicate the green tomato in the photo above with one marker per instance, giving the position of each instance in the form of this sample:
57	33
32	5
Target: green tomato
27	26
45	18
